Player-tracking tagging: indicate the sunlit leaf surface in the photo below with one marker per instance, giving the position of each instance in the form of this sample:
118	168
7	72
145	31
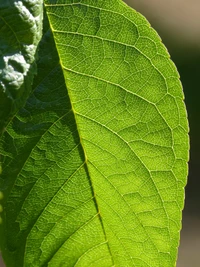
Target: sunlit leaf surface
94	166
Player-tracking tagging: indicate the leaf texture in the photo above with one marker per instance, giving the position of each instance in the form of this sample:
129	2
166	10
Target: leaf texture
20	32
96	171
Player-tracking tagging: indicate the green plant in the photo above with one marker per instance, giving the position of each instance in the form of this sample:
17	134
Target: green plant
94	162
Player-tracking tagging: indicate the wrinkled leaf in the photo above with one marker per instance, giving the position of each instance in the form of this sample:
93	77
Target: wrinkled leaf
96	178
20	32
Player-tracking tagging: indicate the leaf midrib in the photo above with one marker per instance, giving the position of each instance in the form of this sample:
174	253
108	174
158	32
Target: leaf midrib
76	113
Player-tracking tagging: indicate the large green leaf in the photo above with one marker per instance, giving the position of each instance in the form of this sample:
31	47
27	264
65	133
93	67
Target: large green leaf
20	32
96	178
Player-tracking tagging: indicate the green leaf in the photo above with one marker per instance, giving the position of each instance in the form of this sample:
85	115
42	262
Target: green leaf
96	178
20	32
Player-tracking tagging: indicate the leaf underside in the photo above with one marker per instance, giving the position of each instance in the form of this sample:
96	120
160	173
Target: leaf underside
94	165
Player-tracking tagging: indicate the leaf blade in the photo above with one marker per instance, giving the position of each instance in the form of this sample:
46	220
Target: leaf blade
30	169
120	155
138	55
21	31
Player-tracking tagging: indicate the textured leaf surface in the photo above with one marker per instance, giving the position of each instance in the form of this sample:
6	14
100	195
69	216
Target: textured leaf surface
96	178
20	32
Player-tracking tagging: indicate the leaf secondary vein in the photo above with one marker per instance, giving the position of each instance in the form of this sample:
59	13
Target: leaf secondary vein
85	155
143	226
120	43
127	144
122	88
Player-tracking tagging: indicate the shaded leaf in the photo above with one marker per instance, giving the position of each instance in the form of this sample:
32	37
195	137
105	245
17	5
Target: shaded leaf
20	32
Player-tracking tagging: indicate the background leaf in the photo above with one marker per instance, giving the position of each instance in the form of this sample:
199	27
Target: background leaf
20	32
98	182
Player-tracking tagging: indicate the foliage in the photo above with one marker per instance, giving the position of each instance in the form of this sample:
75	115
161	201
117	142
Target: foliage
95	163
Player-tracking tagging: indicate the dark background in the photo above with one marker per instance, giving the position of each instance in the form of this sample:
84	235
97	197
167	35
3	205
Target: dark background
178	24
